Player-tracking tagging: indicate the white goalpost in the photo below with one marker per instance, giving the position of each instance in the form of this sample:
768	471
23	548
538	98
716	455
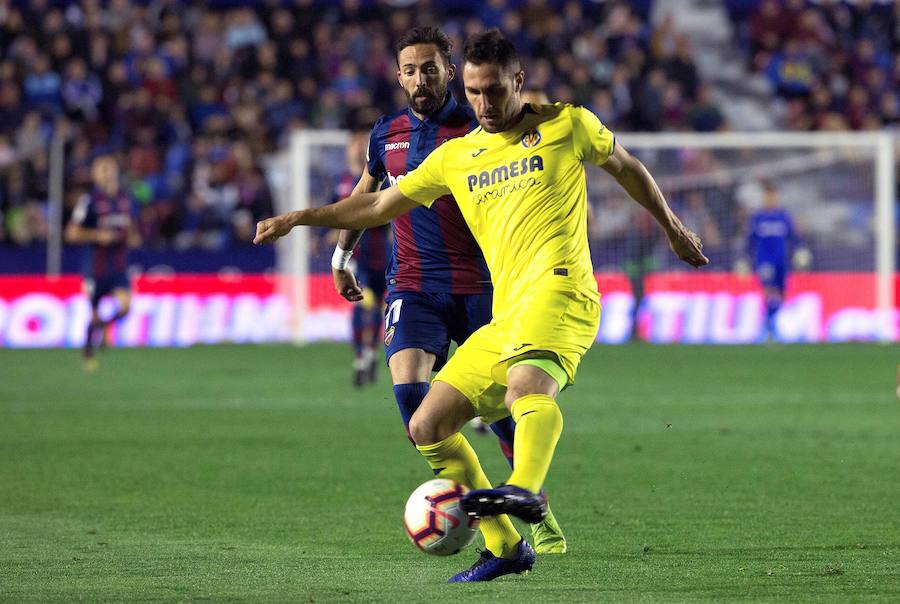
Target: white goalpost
306	177
839	187
822	168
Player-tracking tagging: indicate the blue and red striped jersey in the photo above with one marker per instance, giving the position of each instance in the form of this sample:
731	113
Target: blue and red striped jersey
374	245
97	210
433	249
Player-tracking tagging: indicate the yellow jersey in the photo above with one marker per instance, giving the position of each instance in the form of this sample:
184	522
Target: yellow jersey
523	194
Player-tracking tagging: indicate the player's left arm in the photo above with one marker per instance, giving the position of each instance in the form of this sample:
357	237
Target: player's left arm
356	212
593	142
637	181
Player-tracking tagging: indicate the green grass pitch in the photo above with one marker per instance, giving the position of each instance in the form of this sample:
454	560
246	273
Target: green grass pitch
260	474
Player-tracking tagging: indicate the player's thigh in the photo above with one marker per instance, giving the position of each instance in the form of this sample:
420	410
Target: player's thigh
102	287
525	379
443	412
414	320
123	297
469	372
411	366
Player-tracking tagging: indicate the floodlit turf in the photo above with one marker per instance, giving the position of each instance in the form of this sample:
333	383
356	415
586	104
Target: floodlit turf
258	473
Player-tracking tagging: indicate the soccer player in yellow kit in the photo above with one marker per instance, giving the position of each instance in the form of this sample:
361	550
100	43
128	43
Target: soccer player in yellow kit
520	184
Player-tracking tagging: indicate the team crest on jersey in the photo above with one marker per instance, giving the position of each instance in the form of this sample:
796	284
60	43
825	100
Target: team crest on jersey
531	138
389	336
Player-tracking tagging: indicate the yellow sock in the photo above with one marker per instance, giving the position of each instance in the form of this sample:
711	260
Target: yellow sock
455	459
538	426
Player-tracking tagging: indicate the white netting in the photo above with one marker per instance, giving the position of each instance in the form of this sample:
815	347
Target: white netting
838	189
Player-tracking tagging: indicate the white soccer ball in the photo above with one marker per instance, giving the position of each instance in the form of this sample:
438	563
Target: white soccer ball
435	521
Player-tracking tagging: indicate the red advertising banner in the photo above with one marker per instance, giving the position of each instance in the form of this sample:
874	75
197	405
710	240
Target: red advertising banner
182	310
724	308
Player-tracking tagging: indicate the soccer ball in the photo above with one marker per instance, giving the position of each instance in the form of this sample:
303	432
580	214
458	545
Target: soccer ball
435	521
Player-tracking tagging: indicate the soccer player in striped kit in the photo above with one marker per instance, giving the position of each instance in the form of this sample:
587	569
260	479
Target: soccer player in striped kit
367	270
104	221
439	286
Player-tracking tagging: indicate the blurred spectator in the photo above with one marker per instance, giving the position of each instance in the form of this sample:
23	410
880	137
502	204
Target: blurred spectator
81	92
835	61
193	95
704	115
42	86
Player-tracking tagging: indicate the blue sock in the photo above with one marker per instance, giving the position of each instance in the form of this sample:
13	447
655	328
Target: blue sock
358	323
375	320
772	306
505	430
409	397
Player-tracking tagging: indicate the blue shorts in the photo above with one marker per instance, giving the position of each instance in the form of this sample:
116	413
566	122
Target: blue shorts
431	321
772	274
97	288
372	278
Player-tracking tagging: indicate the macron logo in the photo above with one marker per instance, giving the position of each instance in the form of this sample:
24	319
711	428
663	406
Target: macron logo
395	146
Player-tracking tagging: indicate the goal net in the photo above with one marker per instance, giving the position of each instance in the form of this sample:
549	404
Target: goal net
837	188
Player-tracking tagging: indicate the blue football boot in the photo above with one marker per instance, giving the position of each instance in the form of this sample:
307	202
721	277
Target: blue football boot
506	499
488	567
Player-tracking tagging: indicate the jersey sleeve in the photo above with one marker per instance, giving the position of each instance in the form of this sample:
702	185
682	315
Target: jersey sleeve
83	214
426	183
593	141
373	159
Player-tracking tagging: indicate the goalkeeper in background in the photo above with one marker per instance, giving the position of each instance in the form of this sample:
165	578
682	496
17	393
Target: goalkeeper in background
771	244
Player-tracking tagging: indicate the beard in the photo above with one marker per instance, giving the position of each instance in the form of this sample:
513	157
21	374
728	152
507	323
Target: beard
425	102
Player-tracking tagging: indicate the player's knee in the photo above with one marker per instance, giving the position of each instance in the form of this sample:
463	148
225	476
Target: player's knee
422	430
526	380
514	393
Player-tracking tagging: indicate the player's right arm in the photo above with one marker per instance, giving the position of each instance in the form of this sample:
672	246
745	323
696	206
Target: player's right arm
359	211
81	229
344	280
363	210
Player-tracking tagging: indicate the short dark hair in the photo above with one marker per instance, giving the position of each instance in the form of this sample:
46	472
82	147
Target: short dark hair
493	47
425	35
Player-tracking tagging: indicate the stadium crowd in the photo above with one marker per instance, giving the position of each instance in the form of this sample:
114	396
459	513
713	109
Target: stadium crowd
837	64
192	97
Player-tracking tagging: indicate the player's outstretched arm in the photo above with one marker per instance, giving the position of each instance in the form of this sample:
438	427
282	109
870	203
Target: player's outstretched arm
633	176
356	212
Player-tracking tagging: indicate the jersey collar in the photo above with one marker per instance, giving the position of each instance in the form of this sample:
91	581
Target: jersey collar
440	116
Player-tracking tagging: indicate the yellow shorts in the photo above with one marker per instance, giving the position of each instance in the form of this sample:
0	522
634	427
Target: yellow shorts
555	324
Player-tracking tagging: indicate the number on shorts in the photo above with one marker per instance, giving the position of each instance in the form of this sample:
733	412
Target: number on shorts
393	314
